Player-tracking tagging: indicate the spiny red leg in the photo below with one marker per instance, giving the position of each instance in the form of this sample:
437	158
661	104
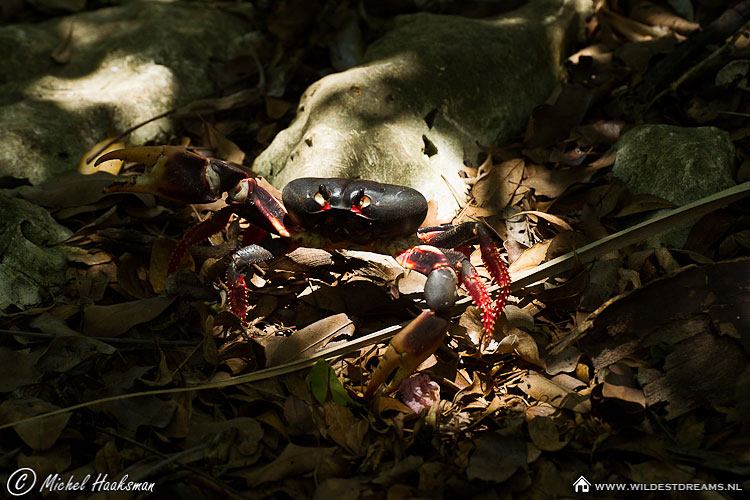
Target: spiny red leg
250	254
478	291
237	293
497	269
197	234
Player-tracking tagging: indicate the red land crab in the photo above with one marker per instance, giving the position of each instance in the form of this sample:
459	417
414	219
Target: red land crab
330	213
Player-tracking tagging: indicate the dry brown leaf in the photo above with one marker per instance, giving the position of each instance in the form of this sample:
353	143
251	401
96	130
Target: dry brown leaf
620	384
566	361
339	488
51	461
343	428
294	461
131	275
68	351
496	457
161	254
553	182
133	413
114	320
700	369
68	190
545	435
17	369
644	203
543	389
239	99
548	217
567	295
38	434
530	258
384	405
656	15
527	348
497	184
223	147
667	310
306	342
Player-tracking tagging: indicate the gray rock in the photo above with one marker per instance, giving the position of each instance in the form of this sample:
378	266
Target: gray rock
429	92
31	259
127	64
680	164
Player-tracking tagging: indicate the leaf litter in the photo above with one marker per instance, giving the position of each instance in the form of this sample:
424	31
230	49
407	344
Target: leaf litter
634	369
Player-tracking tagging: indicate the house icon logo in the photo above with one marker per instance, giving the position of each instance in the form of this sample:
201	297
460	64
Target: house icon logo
581	485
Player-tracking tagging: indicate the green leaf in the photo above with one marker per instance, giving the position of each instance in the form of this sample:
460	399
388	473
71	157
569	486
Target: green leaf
322	378
318	380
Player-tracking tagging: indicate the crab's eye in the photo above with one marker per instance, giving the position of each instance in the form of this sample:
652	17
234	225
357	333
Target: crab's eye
364	202
321	197
361	200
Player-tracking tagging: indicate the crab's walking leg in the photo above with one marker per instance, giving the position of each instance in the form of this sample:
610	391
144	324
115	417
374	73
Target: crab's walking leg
499	272
422	337
199	233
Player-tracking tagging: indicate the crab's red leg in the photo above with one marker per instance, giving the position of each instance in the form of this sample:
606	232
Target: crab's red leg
250	254
197	234
481	296
497	269
422	337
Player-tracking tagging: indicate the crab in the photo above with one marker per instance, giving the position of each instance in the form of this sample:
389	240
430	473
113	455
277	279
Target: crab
330	213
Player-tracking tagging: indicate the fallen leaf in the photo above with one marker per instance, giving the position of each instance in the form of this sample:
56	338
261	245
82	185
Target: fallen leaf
620	384
342	427
496	458
68	190
134	412
17	368
114	320
545	435
68	351
553	182
543	389
306	342
548	217
338	488
527	348
530	258
640	203
294	461
38	434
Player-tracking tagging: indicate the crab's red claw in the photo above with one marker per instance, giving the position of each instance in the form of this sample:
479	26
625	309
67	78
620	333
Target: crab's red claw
176	174
273	212
412	345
